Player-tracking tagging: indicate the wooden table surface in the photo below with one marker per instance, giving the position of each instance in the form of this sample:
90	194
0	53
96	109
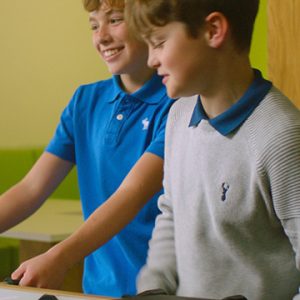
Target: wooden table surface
11	292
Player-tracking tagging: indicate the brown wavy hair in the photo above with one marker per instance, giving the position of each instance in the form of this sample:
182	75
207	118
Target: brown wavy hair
142	15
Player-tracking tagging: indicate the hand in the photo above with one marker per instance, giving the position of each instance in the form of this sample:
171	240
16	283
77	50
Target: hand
43	271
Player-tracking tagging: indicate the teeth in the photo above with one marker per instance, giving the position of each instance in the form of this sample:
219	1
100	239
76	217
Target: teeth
109	53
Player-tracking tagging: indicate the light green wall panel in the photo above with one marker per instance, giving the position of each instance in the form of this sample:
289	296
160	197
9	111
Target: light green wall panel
259	50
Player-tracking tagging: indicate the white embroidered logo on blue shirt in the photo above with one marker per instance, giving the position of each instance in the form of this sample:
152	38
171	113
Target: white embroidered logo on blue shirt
145	123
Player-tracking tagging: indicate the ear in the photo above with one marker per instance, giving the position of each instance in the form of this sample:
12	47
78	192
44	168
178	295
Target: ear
217	28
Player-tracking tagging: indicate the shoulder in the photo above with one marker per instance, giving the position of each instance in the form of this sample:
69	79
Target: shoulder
276	104
276	115
93	87
274	126
87	94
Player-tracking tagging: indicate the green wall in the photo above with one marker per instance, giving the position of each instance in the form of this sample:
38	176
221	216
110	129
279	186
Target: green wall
259	52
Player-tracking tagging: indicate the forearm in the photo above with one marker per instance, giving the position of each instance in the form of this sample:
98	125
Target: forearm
17	204
27	196
160	271
99	228
48	269
140	185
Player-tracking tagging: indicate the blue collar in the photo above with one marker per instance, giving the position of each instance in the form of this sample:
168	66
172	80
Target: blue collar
151	92
232	118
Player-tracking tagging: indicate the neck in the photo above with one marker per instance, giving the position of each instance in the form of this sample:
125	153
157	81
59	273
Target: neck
132	82
231	82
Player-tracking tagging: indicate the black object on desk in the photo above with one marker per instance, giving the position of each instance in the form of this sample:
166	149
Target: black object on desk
173	297
160	295
11	281
47	297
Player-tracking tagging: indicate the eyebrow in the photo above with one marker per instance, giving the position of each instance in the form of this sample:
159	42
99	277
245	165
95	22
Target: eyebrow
108	12
153	34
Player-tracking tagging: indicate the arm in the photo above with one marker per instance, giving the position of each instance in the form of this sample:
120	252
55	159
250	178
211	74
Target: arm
24	198
285	176
142	182
160	271
292	230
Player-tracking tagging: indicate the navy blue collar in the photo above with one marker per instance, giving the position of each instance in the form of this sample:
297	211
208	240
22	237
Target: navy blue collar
232	118
151	92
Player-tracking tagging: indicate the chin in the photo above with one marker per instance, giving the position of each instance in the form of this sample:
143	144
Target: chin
115	69
172	93
176	90
175	94
178	93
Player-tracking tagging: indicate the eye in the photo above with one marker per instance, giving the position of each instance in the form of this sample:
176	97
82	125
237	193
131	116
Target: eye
157	44
116	18
155	41
94	26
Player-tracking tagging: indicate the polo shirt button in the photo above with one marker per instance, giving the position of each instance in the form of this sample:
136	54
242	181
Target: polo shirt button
120	117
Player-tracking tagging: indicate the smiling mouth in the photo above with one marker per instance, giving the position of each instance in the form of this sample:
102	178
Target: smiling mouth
111	52
165	79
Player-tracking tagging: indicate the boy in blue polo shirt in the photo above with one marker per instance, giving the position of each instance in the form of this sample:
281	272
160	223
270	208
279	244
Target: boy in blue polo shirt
230	221
113	130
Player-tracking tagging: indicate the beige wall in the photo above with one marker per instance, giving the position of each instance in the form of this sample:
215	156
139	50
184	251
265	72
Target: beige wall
45	53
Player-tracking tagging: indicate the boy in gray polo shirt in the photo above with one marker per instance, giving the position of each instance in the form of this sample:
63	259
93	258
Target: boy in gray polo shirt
230	217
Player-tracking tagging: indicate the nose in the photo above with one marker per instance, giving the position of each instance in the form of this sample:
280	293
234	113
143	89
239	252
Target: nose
102	35
153	61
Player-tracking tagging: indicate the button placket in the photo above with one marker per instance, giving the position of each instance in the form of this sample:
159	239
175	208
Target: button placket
120	116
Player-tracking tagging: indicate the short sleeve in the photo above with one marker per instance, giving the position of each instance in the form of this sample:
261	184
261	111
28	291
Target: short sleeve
62	143
158	143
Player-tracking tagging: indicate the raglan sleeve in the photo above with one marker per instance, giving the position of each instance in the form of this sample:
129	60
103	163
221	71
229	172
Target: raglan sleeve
292	230
285	177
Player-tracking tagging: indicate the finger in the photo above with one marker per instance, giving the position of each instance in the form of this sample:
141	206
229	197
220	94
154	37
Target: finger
27	279
18	273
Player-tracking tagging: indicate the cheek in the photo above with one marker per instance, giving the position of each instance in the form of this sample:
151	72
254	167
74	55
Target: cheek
121	34
171	59
95	42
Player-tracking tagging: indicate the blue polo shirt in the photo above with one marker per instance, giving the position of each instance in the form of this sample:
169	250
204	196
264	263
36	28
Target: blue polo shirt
104	131
232	118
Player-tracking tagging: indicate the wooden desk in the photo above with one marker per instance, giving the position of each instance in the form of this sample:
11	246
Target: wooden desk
50	224
9	292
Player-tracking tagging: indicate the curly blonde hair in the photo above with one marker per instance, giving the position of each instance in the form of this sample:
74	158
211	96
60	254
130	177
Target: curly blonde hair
92	5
